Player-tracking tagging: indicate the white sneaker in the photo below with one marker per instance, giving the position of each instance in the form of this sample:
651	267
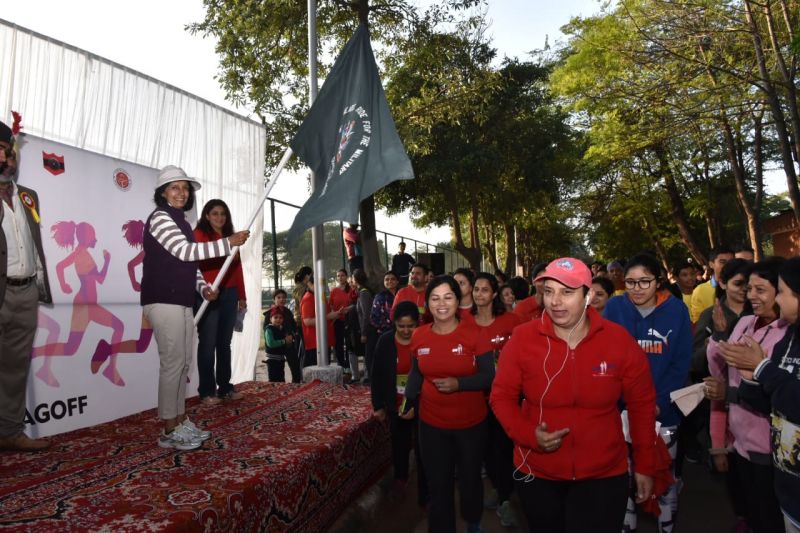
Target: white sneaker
198	433
179	438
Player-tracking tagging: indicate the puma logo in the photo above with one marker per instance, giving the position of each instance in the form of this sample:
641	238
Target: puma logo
656	334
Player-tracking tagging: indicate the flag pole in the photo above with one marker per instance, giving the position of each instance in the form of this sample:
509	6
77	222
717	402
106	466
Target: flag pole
317	232
259	206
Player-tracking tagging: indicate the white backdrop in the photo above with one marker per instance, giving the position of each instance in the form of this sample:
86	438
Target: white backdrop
84	101
70	396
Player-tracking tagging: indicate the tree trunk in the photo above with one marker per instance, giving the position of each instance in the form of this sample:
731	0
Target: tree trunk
678	209
788	78
661	252
758	162
474	235
750	214
472	255
491	246
711	228
777	113
369	245
511	249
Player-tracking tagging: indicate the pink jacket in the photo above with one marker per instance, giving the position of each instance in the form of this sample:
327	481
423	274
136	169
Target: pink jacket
748	430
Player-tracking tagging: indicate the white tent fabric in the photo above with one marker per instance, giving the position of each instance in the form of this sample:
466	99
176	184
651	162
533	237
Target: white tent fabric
80	99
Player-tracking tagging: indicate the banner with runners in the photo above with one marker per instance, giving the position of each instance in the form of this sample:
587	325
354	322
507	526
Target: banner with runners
94	357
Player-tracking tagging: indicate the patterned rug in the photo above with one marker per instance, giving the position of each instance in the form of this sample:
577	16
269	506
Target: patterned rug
285	458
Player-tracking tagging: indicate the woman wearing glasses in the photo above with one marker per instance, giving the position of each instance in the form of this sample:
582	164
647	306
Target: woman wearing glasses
660	324
750	430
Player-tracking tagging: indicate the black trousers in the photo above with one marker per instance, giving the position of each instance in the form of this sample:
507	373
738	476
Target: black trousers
596	505
341	355
310	357
369	348
294	356
275	371
445	452
500	460
762	511
405	436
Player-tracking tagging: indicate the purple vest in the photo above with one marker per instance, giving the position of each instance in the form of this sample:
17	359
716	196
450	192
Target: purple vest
165	278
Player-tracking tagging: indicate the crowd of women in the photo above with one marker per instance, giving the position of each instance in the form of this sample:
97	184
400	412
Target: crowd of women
564	394
561	392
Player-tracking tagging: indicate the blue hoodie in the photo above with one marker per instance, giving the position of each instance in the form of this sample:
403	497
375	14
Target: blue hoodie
666	337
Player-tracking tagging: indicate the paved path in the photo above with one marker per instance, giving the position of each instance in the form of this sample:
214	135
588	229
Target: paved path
703	508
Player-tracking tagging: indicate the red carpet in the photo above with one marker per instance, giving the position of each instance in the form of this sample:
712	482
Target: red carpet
285	458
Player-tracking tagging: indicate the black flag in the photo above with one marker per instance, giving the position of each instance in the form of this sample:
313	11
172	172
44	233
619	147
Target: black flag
349	139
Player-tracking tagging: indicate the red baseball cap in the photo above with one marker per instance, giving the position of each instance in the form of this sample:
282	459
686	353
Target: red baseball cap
568	271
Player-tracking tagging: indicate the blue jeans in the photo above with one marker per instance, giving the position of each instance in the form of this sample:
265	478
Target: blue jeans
215	331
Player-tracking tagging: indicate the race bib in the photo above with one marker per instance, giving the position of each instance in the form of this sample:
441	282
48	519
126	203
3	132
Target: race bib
402	379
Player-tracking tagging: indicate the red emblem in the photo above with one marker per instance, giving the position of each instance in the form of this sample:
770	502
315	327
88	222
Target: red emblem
122	179
53	163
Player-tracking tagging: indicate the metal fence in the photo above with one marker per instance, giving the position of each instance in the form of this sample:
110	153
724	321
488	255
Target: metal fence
335	253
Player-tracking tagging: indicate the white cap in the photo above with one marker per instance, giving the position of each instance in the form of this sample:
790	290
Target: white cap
171	173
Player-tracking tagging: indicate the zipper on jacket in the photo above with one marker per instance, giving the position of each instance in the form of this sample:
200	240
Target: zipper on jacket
574	406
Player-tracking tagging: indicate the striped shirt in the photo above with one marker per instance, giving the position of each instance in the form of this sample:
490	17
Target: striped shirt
167	233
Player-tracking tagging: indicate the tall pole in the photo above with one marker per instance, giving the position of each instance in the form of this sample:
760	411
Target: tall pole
275	275
317	232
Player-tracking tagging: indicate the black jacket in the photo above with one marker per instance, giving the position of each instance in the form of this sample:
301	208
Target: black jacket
383	381
777	391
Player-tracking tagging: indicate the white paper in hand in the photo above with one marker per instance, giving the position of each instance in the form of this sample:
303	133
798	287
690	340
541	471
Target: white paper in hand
688	398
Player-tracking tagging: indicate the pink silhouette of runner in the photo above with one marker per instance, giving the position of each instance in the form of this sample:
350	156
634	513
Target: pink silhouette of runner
45	373
133	231
85	308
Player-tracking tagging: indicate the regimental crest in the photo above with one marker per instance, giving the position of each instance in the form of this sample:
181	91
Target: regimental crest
345	133
122	179
53	163
355	130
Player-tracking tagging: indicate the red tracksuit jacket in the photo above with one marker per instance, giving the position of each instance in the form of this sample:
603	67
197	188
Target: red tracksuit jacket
605	367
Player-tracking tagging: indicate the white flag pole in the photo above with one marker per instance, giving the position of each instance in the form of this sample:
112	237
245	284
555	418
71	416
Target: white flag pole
259	206
317	232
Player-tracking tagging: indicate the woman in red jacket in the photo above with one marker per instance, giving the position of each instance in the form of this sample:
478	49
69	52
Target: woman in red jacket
572	368
215	329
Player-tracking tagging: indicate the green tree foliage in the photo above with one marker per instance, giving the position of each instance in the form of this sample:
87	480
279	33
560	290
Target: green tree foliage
677	131
490	167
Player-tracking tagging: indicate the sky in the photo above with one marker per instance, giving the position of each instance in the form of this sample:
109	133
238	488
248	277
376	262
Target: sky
149	36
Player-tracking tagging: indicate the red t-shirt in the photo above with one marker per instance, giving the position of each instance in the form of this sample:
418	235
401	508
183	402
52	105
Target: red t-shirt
310	332
340	299
410	294
499	331
234	277
465	312
450	355
528	308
